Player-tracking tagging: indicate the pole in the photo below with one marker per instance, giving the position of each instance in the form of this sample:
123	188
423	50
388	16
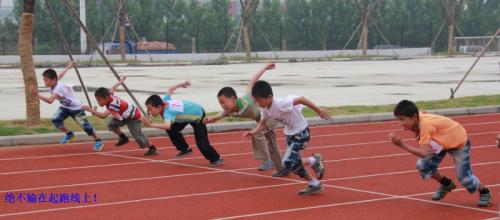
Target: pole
83	38
94	44
453	91
68	50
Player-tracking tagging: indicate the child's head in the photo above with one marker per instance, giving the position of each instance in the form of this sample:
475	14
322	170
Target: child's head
102	96
227	99
406	113
262	93
50	78
155	105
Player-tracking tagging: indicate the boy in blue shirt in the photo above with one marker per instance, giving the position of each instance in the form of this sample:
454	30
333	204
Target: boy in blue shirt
176	115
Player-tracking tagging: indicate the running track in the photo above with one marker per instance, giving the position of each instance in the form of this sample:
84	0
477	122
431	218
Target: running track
366	178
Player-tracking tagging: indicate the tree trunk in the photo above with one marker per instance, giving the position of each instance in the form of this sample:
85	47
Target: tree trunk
451	38
246	44
25	48
122	43
248	8
364	38
122	30
365	8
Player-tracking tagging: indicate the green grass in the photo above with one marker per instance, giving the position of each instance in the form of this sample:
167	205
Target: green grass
17	127
445	53
472	101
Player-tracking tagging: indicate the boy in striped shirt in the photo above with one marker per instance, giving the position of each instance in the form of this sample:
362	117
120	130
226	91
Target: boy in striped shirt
123	114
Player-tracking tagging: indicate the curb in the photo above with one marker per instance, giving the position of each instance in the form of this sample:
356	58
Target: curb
235	126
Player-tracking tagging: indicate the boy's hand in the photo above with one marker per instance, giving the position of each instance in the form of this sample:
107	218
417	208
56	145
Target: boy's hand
34	91
146	121
122	80
71	64
324	114
248	134
87	108
270	66
395	139
186	84
208	120
498	141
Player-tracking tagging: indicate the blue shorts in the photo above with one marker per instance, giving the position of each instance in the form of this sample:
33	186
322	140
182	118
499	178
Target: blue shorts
427	166
77	115
294	144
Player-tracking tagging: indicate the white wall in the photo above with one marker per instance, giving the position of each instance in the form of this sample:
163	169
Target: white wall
207	57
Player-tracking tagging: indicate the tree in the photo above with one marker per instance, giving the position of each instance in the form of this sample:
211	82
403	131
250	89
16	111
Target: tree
248	8
365	8
296	18
480	18
268	21
26	55
450	9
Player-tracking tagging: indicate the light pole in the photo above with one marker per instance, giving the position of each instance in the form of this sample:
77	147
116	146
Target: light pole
83	37
165	20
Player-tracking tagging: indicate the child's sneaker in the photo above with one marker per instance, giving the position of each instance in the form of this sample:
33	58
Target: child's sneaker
318	167
152	151
98	145
265	166
309	190
281	173
68	138
442	191
217	163
484	198
122	141
184	153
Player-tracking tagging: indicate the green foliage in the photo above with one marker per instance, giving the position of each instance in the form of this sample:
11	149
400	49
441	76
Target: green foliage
302	24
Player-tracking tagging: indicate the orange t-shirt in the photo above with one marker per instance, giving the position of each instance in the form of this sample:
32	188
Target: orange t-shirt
436	129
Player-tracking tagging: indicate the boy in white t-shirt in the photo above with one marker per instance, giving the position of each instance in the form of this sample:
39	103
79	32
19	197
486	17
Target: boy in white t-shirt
288	111
71	106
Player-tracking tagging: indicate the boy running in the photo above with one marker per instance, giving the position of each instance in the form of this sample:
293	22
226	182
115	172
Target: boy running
176	115
123	114
71	106
288	111
437	136
265	146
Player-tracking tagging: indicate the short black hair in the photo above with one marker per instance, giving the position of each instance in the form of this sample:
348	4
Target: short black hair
102	93
406	108
227	92
50	73
154	101
262	89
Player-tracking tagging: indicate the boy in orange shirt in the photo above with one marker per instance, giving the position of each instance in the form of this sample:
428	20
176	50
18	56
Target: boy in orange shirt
438	135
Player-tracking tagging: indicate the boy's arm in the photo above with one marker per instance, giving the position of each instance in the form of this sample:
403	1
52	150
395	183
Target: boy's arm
95	112
214	118
165	125
258	74
422	151
115	86
498	140
261	126
324	114
49	100
184	84
68	67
